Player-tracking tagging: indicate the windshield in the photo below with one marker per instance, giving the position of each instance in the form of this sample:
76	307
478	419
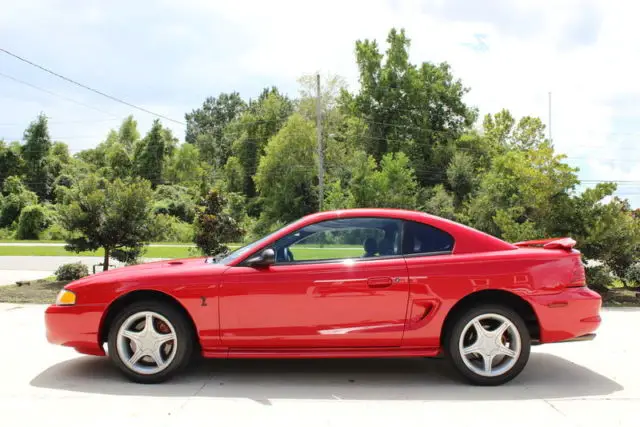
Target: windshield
251	246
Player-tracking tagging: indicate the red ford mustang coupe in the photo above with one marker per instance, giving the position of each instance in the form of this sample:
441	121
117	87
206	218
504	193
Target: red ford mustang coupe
347	283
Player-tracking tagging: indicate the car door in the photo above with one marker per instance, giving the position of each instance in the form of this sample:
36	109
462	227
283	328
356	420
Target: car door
436	278
324	290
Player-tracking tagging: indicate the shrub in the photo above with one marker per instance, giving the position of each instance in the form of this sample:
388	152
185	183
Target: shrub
16	198
167	228
632	274
54	232
174	200
213	227
73	271
6	234
599	278
32	221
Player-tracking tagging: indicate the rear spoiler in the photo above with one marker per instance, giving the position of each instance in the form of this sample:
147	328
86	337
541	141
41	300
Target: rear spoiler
566	243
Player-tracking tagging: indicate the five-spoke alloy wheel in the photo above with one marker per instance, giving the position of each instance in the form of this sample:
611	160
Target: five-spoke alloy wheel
150	341
489	345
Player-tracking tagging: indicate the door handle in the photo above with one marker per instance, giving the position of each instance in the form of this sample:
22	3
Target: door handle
379	282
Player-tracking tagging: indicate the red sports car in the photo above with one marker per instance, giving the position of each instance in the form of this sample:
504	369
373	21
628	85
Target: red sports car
347	283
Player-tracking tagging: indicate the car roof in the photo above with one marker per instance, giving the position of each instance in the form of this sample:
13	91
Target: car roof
467	239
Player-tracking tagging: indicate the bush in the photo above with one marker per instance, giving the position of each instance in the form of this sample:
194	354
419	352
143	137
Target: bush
6	234
213	227
32	221
17	198
74	271
176	201
599	278
54	232
632	275
167	228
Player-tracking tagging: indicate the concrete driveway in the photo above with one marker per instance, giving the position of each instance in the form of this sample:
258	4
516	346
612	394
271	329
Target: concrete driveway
591	383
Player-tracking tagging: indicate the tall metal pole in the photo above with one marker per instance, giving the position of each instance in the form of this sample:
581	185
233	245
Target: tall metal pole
550	117
320	150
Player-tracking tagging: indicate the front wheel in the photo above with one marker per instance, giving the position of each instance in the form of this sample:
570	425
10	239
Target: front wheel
150	341
489	345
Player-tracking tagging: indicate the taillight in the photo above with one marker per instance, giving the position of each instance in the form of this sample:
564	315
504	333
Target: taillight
578	277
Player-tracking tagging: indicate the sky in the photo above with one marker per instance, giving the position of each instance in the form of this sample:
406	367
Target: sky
167	56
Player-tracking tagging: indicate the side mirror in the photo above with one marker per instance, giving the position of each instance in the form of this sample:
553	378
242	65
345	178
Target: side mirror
263	259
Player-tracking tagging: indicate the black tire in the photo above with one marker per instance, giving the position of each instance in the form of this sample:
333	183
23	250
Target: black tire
456	358
184	335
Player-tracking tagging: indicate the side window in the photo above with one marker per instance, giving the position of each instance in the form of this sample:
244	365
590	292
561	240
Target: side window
424	239
341	239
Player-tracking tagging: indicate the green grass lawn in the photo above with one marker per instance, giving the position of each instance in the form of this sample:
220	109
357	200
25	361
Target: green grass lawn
62	242
30	241
151	252
301	252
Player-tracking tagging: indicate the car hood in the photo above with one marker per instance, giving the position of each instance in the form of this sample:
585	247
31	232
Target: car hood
149	270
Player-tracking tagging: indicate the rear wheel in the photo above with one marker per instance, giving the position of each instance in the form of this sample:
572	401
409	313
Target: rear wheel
150	341
489	345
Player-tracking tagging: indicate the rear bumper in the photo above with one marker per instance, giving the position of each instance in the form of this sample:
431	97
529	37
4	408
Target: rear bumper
585	337
570	315
75	326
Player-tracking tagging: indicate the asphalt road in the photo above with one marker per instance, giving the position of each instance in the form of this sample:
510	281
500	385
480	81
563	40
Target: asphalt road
590	383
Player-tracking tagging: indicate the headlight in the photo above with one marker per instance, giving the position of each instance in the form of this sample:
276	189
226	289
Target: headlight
66	297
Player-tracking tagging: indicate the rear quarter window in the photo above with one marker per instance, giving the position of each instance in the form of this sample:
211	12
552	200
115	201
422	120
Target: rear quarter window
422	238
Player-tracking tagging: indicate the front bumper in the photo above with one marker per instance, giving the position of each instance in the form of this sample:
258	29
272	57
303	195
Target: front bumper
570	315
75	326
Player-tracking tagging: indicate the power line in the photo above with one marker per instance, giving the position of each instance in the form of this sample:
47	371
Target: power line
62	122
54	94
113	98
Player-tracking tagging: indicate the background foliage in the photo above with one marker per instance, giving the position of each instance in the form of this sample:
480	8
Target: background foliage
404	138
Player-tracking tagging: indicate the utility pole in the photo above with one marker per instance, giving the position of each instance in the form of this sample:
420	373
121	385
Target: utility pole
550	117
320	150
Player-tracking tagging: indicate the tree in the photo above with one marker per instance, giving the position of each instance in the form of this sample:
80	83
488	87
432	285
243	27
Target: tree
214	227
391	184
604	231
461	176
331	88
233	175
33	220
16	198
439	202
10	160
118	161
128	134
408	108
252	131
498	128
395	182
206	126
287	174
503	131
113	215
522	185
185	167
149	157
35	153
175	200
